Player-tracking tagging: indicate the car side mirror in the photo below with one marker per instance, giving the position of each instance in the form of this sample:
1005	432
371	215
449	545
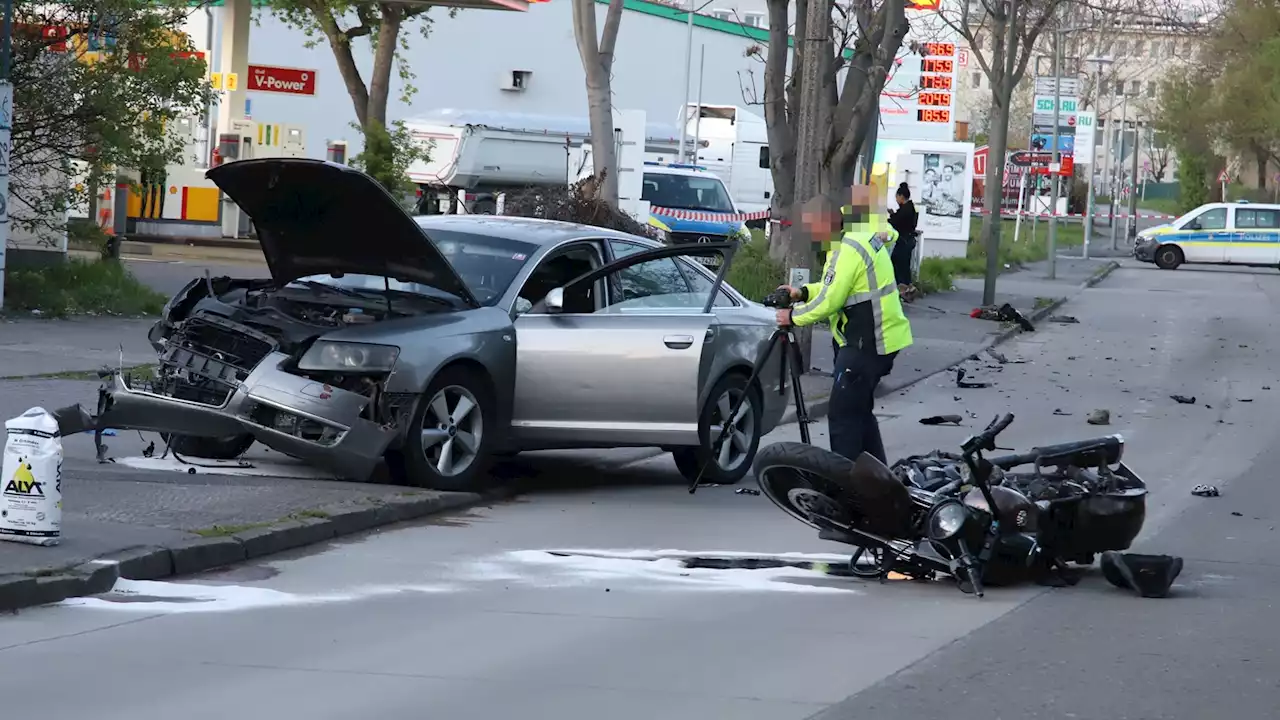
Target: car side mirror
554	302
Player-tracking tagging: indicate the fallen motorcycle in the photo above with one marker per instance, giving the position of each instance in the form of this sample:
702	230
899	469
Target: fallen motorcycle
1088	500
987	537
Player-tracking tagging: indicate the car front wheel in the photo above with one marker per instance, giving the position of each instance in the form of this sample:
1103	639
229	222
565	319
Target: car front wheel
1168	257
732	460
449	441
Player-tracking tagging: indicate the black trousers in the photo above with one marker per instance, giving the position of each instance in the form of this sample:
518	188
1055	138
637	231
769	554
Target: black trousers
903	249
852	420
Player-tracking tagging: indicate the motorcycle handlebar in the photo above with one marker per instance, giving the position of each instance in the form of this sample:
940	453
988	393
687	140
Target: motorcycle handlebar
986	440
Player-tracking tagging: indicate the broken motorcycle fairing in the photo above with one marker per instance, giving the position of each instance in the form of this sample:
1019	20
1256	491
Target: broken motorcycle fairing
1088	500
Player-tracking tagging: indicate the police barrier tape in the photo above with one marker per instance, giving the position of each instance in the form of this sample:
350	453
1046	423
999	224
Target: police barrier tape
708	216
1028	213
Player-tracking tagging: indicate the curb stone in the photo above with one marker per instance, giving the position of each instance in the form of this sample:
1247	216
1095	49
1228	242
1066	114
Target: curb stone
199	554
819	407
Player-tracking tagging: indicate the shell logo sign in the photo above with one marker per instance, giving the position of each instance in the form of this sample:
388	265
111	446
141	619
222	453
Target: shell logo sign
934	5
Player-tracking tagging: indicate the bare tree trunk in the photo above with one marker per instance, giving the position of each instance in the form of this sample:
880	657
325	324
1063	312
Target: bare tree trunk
597	65
340	43
384	57
782	157
1260	156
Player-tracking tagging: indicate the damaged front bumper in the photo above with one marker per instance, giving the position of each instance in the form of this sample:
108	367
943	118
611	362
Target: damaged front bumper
302	418
1144	250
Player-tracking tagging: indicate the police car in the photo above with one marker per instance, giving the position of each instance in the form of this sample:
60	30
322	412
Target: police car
690	204
1235	233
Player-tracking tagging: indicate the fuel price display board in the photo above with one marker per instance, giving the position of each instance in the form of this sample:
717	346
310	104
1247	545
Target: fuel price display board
919	100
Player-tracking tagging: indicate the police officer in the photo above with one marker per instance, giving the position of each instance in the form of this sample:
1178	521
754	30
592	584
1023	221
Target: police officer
859	295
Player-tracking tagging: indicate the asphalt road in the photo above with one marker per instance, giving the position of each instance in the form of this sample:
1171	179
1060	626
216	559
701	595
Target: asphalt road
470	617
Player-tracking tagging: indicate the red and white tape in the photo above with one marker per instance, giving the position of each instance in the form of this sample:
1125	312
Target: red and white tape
707	216
1026	213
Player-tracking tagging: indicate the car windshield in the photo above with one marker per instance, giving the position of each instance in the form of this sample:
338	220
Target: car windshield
486	264
686	192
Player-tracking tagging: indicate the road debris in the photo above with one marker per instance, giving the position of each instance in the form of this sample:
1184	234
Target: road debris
968	384
1059	411
1205	491
1064	319
1246	399
1184	399
941	420
1233	512
746	491
1009	313
1099	417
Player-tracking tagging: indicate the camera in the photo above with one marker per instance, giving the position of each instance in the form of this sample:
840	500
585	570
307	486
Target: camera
780	298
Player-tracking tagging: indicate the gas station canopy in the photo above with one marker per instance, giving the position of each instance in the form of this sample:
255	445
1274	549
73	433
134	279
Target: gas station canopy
513	5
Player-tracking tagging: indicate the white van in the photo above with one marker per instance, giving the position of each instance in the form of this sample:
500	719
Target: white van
1235	233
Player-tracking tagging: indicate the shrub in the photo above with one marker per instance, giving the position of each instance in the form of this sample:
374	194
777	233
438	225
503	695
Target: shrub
80	287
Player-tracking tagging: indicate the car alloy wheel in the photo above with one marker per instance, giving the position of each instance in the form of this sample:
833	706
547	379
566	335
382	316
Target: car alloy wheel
737	446
452	430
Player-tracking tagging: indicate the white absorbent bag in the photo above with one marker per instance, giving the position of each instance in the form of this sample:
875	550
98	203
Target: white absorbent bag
31	483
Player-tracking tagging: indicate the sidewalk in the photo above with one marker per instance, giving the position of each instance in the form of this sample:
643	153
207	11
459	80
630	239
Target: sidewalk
944	333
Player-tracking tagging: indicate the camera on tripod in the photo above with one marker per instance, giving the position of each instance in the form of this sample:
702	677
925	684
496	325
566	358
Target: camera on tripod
780	298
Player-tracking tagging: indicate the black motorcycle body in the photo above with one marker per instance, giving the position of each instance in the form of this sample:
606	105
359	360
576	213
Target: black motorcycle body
1088	500
977	540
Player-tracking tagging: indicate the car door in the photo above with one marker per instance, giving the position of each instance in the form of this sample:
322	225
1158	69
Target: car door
1204	238
1254	241
625	373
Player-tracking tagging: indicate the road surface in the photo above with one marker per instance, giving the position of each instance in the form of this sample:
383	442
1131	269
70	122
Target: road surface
472	617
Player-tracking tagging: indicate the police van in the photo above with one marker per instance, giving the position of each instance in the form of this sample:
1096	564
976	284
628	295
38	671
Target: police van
1235	233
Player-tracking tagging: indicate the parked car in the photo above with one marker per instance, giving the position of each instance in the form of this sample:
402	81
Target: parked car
438	342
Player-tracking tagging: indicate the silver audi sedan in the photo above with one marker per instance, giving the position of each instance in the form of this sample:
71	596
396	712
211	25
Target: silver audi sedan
437	343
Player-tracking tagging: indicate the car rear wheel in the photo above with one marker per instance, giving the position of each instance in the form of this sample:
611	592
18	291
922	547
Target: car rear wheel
210	448
448	446
1168	257
733	460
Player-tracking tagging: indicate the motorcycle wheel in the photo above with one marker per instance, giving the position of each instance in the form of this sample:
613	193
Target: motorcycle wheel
796	478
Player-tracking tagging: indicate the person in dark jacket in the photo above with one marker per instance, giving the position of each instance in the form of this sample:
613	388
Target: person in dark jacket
904	220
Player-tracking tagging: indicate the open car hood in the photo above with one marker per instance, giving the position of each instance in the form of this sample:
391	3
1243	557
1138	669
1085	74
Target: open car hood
319	218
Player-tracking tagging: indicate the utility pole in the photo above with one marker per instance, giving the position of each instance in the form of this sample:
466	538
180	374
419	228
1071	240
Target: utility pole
1055	168
809	137
6	133
1131	224
688	72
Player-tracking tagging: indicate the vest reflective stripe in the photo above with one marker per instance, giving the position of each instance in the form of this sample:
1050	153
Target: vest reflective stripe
822	294
873	297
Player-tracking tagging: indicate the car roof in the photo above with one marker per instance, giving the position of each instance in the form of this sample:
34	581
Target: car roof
524	229
668	170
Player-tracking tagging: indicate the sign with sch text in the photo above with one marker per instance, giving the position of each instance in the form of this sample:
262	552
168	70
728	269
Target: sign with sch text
290	81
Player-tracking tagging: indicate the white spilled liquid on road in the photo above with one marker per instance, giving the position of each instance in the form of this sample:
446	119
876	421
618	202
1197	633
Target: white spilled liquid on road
659	570
255	467
631	570
149	596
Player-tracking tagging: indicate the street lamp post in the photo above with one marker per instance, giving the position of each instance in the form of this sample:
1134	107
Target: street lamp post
1092	156
688	60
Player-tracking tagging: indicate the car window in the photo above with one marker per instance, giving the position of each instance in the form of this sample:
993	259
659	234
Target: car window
700	285
486	264
1257	219
653	284
555	270
1215	219
686	192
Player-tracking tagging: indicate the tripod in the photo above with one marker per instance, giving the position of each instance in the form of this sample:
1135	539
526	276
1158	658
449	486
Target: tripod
785	339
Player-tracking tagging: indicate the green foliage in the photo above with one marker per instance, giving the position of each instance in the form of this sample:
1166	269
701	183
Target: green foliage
80	287
72	114
753	273
939	274
1192	190
387	155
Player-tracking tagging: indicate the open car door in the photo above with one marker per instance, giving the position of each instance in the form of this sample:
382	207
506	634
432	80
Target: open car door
626	373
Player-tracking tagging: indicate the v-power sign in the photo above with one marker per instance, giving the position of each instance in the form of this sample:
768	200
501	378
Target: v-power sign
290	81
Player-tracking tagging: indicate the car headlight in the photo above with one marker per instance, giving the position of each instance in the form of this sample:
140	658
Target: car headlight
332	356
946	520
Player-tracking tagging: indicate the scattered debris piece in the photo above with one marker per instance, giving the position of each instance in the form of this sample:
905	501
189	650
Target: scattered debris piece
998	356
1009	313
1207	405
1064	319
956	398
1246	399
1072	357
1184	399
746	491
1266	387
1205	491
1058	411
941	420
1233	512
968	384
149	450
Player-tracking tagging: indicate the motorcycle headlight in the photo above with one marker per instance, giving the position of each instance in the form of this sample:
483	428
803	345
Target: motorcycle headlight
946	520
328	356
